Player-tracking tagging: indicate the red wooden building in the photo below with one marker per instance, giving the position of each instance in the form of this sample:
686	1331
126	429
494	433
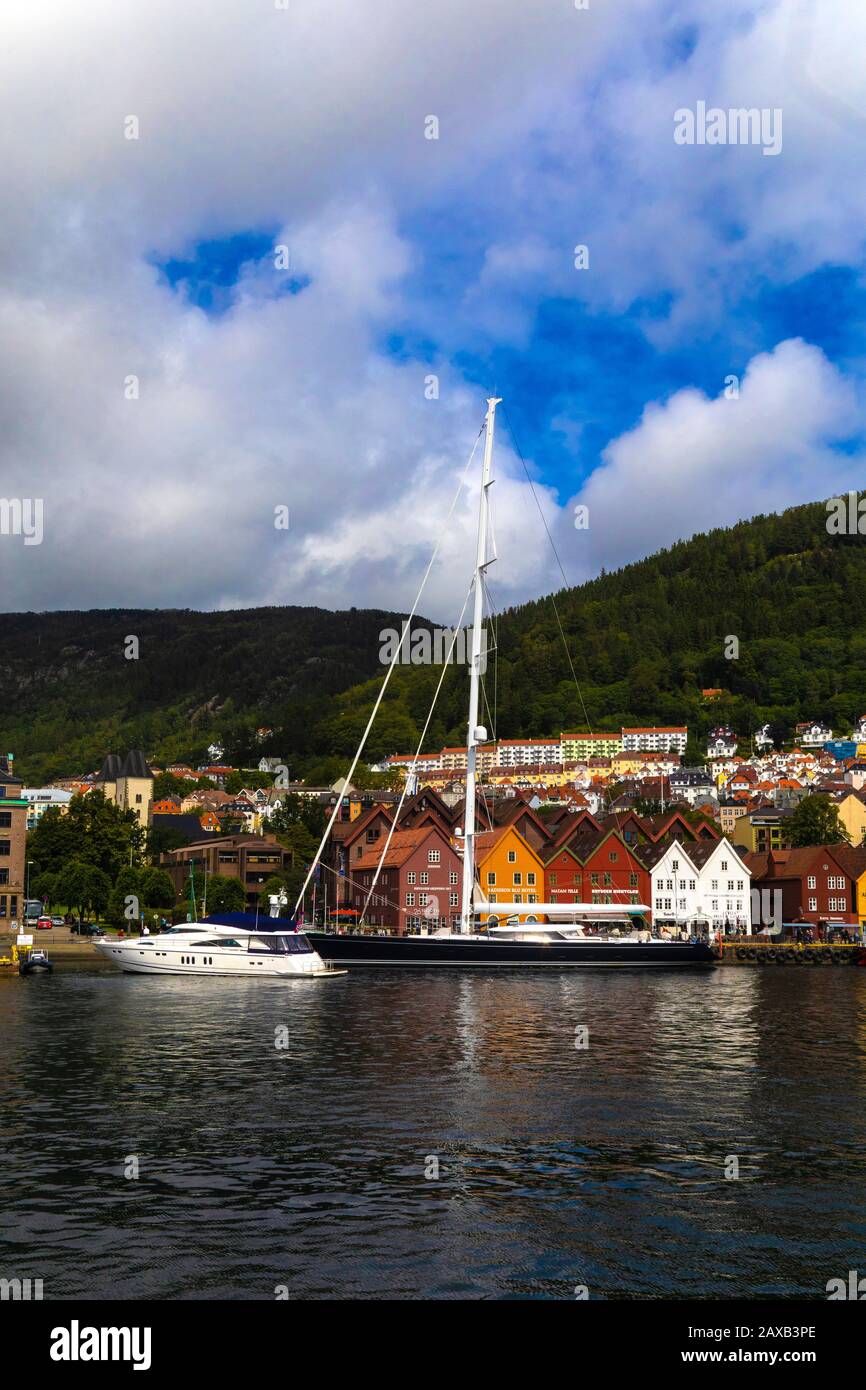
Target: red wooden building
419	882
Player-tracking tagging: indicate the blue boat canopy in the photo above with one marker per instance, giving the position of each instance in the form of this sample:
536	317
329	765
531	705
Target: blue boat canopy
248	921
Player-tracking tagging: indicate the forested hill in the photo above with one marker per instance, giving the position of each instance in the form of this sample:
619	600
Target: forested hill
644	641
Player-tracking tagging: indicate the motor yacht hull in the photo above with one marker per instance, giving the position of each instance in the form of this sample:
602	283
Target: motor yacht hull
152	958
476	950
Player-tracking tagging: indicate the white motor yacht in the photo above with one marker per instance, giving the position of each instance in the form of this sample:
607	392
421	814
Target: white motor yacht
207	948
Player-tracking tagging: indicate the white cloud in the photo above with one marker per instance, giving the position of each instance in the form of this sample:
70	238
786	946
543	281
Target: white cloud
312	120
693	463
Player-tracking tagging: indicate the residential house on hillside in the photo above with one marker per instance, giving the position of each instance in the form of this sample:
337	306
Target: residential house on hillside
721	742
763	829
851	806
731	809
812	734
691	784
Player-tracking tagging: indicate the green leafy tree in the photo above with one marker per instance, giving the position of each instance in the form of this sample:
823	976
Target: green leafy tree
92	831
43	886
157	888
125	900
816	822
240	781
82	887
224	894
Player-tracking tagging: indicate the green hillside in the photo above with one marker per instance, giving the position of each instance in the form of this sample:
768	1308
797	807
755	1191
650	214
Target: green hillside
644	641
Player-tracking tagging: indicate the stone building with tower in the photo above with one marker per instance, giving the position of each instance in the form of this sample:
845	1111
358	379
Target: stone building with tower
128	782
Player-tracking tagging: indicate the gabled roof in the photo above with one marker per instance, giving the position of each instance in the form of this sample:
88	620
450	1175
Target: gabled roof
404	844
488	840
792	863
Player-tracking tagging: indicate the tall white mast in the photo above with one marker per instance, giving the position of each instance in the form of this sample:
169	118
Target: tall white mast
476	733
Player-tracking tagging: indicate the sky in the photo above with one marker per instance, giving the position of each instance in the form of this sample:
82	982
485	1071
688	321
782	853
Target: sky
265	259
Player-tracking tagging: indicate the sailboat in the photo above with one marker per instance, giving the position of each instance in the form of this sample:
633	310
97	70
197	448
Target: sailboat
507	934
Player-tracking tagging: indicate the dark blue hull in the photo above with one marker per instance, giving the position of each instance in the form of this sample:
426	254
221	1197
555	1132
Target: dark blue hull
431	950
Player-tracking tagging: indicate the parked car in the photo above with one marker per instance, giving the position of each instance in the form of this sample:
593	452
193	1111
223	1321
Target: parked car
87	929
43	924
58	921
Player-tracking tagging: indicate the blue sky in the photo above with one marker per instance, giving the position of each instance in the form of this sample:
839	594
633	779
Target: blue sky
171	387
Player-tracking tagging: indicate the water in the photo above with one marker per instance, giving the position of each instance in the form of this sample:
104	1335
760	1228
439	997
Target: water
304	1168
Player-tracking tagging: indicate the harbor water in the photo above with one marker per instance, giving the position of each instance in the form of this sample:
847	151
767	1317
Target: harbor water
434	1134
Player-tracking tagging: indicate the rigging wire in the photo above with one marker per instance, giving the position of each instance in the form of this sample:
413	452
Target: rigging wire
389	672
421	740
564	580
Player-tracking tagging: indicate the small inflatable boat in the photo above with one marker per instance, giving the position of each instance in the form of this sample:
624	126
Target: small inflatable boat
36	963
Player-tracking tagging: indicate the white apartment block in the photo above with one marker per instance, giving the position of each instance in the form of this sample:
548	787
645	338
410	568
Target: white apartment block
666	740
528	752
39	799
427	762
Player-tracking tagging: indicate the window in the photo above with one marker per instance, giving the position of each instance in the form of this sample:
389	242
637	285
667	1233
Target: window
410	899
434	856
675	864
632	880
5	847
724	866
530	879
517	878
452	876
608	881
714	884
425	877
512	856
6	819
491	879
730	885
454	899
613	857
553	880
423	899
410	877
811	881
4	875
692	884
593	878
813	904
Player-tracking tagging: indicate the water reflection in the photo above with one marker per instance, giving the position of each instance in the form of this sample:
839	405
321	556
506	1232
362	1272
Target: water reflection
305	1166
